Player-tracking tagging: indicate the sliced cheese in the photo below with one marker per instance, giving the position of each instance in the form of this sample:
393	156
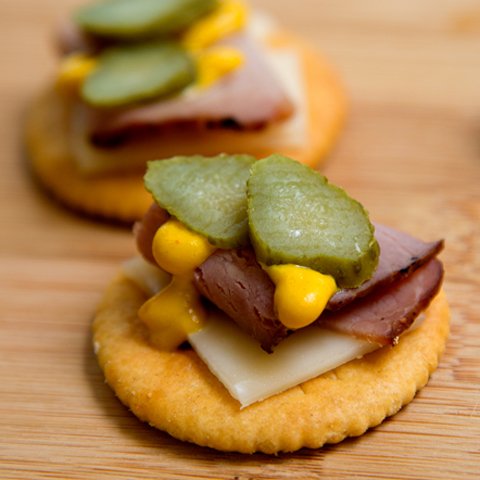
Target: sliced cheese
251	375
149	278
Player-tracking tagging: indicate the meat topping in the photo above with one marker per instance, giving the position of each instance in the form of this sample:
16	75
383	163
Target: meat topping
235	283
386	313
400	255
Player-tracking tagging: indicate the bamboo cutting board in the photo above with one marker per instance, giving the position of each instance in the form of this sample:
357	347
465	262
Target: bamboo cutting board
410	153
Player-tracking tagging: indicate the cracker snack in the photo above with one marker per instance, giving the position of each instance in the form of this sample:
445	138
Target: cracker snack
186	392
88	147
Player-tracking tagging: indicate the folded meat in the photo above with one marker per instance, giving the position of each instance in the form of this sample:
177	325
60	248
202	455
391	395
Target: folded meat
400	256
385	314
249	97
71	39
234	282
145	230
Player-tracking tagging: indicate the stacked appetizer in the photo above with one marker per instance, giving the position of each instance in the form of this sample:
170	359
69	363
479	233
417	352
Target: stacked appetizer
265	311
140	80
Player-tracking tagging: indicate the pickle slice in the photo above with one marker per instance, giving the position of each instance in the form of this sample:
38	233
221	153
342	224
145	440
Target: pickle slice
133	19
297	217
207	194
135	73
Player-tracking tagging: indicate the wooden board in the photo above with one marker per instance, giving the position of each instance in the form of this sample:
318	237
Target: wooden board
410	152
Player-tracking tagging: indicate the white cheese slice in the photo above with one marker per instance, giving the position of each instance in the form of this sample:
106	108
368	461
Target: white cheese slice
251	375
147	277
292	132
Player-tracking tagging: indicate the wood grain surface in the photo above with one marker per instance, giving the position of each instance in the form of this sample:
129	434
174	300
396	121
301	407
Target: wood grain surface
410	153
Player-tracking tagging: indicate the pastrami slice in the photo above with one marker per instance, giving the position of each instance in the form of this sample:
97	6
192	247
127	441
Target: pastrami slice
384	315
234	282
400	255
145	230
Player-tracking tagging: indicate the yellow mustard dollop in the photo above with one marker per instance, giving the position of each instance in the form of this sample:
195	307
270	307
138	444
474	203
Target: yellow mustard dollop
301	293
73	70
173	314
176	311
229	17
215	62
178	250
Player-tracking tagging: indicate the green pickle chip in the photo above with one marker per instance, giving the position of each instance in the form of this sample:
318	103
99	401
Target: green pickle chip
296	216
138	72
134	19
207	194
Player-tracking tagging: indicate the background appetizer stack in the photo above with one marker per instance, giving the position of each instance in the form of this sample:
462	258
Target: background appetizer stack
271	244
138	80
410	153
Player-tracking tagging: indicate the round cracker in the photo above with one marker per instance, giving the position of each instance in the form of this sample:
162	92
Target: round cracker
122	196
175	392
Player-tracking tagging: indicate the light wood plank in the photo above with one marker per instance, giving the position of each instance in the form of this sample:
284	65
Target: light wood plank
410	152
